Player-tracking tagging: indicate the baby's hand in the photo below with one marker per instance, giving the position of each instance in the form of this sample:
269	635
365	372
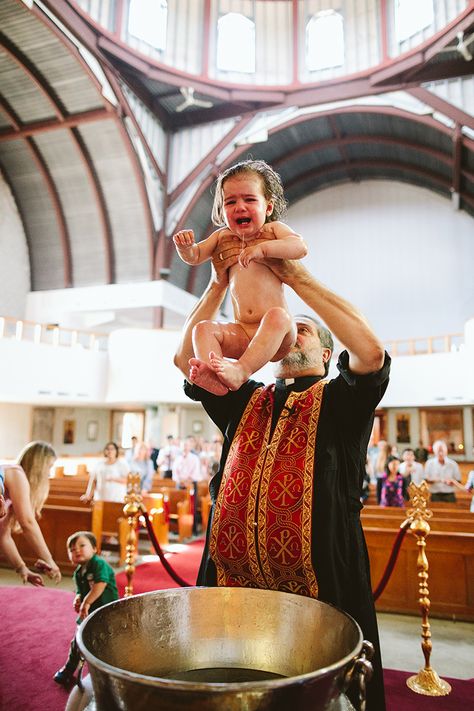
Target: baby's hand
250	254
77	603
184	239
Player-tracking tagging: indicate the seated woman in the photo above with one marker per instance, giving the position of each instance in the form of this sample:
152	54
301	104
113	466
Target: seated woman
392	484
26	486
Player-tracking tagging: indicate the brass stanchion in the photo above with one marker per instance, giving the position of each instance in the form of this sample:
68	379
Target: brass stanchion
133	499
427	681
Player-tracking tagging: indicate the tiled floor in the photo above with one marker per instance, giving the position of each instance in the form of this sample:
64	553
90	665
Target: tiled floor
400	635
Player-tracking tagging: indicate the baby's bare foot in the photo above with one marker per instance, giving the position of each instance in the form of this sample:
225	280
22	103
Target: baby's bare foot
229	373
201	374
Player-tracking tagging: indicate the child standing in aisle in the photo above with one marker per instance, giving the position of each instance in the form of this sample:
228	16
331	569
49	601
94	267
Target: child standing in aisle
95	586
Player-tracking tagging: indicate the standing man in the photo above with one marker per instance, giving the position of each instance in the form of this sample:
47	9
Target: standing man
166	457
440	471
286	499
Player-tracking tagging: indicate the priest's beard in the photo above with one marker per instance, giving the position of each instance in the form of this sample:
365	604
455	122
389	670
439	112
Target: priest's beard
298	361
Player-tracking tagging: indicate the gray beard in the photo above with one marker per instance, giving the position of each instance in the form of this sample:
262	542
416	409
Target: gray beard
297	361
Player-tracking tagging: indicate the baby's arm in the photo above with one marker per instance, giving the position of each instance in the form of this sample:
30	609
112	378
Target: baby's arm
192	252
283	244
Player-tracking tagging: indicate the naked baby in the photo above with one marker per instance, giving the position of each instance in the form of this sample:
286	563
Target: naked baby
249	201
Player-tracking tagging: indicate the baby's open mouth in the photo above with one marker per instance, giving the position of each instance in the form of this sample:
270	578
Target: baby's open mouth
243	220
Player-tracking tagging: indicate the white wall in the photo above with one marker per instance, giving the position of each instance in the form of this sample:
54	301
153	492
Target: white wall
14	264
15	429
43	374
400	253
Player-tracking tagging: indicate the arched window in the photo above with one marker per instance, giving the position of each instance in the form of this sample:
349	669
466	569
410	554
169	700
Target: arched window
235	43
147	21
412	17
325	41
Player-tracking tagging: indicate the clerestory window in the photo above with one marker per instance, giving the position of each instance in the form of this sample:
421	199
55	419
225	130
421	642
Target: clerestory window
147	21
412	17
325	41
235	43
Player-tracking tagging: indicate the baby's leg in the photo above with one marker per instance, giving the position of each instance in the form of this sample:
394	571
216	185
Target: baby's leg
227	339
273	340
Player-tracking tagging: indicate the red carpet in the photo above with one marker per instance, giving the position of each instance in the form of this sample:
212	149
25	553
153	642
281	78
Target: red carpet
152	576
37	625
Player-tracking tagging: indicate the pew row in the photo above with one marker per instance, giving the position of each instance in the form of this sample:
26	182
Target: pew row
447	511
454	525
451	572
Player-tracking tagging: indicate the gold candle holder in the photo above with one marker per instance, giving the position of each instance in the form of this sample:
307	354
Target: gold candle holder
427	681
133	499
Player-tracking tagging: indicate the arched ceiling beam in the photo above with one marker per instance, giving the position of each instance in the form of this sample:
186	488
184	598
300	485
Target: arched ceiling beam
210	157
159	260
22	130
34	75
383	110
58	209
457	159
100	203
21	212
382	165
54	197
62	121
345	141
127	111
390	75
137	169
408	65
11	116
444	107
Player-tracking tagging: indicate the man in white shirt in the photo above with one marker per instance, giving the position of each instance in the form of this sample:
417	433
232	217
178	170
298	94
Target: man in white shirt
186	466
167	456
440	472
410	469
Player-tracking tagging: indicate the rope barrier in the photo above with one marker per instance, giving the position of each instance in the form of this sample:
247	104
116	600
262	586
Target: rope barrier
183	583
159	551
392	559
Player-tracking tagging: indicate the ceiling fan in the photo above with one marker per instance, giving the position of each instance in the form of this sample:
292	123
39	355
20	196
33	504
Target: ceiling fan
462	46
190	100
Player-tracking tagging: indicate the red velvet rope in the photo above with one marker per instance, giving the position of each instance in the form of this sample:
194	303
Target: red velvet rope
377	592
392	560
169	569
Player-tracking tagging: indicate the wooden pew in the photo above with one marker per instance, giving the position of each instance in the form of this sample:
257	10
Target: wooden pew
458	525
68	485
451	572
155	507
445	511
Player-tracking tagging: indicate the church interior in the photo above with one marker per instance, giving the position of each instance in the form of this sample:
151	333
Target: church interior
116	117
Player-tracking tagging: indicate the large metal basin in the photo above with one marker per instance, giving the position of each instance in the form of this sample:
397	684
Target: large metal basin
219	649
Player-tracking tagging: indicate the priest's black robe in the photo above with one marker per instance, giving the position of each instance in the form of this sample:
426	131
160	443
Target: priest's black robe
339	552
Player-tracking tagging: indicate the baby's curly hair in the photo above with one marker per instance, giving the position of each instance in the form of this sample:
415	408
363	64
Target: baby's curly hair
271	183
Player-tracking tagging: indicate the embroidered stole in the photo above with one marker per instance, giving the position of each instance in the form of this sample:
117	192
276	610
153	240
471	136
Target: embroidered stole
261	530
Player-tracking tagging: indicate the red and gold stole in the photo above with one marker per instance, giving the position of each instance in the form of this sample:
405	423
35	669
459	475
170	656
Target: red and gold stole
261	531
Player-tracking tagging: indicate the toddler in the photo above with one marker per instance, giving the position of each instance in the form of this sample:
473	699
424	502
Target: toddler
95	586
249	200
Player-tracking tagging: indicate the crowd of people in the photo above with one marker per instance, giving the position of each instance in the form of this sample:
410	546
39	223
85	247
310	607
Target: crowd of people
392	472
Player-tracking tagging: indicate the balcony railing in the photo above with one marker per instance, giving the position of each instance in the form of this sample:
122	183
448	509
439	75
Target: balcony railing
430	344
51	334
